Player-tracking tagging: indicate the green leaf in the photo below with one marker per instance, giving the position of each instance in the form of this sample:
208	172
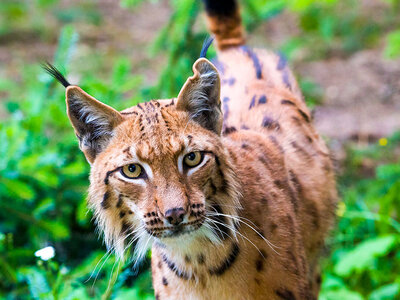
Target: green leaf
91	265
362	256
47	177
74	291
18	188
386	292
331	282
58	229
388	171
299	5
43	206
342	294
29	161
75	168
121	70
83	215
37	283
130	3
392	49
7	271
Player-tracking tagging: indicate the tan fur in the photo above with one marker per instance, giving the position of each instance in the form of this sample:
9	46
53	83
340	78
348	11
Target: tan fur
268	176
226	30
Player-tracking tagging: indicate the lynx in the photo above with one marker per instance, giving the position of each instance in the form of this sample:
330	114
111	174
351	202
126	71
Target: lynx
228	183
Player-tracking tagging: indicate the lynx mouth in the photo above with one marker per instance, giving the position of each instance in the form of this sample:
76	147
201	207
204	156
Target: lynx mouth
176	231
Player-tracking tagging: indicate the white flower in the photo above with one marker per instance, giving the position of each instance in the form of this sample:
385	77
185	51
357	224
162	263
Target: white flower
45	253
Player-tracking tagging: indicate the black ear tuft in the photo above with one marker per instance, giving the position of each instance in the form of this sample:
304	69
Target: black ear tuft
206	44
54	72
200	96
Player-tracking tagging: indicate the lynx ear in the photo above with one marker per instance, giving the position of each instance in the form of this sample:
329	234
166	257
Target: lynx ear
200	96
92	120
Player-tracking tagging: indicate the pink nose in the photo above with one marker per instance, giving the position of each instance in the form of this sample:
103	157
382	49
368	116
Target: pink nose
175	215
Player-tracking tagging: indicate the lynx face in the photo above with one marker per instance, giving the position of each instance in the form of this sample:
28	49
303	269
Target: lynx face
159	171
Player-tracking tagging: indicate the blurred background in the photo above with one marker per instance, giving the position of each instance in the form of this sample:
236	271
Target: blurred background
346	55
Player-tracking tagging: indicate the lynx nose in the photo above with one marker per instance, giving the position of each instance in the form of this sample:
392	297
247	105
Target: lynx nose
175	215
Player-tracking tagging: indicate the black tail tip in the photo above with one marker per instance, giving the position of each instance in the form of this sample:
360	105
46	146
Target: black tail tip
220	7
55	73
206	44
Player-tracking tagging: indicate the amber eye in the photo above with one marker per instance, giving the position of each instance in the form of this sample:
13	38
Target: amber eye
193	159
131	171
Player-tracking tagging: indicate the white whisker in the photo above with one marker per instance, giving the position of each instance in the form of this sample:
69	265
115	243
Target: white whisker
109	280
243	236
212	225
238	219
95	267
108	256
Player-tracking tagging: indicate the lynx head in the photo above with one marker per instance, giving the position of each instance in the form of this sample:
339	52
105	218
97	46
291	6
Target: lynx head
159	171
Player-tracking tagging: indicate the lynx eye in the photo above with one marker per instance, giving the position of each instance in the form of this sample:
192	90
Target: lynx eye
131	171
193	159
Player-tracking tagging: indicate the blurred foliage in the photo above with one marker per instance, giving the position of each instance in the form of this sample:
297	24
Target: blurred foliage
43	176
365	247
392	49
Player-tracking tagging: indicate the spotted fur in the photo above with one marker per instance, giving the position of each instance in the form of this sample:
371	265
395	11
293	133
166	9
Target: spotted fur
249	221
